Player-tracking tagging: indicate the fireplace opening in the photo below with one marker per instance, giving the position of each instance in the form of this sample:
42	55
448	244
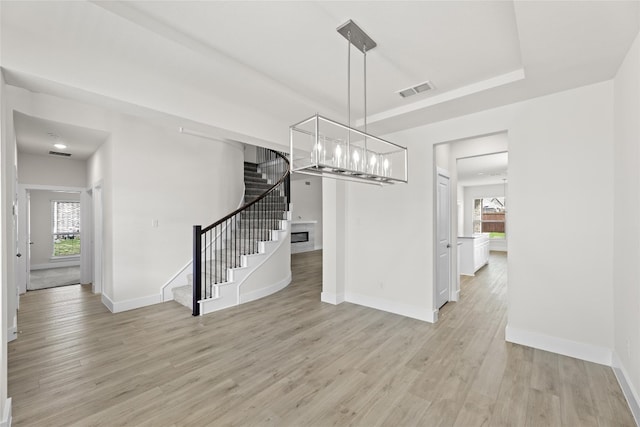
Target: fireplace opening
299	236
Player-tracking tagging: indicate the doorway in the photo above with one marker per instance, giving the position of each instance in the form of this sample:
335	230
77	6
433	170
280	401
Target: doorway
477	169
54	237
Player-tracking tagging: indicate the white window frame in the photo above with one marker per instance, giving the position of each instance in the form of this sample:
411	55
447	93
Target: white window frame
53	233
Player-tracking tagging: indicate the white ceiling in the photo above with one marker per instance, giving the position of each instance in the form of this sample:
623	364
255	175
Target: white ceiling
286	60
37	136
483	170
296	43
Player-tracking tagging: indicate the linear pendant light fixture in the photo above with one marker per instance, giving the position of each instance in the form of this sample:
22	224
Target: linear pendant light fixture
324	147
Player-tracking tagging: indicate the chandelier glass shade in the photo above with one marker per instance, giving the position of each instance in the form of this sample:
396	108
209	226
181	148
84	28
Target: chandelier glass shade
320	146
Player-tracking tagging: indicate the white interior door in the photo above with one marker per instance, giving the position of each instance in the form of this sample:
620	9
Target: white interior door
22	269
443	226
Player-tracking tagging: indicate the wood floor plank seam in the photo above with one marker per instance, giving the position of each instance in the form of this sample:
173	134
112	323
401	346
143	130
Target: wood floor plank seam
291	360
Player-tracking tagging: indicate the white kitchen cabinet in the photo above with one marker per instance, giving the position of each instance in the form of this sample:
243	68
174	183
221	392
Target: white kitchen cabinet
474	253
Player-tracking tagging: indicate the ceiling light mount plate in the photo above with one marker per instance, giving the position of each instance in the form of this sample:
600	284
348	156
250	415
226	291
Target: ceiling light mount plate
358	38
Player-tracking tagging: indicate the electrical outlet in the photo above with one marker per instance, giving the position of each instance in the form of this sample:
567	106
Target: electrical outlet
154	223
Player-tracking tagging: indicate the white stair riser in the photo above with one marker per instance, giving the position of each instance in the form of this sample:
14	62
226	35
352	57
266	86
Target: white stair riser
264	241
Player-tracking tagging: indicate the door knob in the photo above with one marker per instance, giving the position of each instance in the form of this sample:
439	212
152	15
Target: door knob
448	245
18	254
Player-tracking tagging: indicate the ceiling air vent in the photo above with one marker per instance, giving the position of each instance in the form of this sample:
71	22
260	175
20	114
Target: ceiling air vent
422	87
57	153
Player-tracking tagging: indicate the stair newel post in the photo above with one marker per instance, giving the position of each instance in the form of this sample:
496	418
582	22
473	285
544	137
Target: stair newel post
197	268
226	248
287	191
236	249
218	255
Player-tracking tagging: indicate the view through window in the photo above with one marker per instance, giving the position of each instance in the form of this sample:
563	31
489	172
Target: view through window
66	228
489	216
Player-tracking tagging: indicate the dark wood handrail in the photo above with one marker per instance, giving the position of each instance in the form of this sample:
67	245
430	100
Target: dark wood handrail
206	241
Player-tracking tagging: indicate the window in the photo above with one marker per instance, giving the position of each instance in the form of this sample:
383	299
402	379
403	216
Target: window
66	228
489	217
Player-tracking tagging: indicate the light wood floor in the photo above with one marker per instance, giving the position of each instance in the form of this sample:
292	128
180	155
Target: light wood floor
290	360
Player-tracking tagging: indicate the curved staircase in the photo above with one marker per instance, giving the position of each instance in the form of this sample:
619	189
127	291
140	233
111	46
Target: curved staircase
228	251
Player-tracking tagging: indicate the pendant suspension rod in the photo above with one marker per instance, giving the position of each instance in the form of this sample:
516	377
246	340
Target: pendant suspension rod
348	153
366	153
364	51
349	79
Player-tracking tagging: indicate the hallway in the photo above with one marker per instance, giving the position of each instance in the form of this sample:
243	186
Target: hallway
290	360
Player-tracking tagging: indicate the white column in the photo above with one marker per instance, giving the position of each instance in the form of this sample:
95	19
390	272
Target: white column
334	240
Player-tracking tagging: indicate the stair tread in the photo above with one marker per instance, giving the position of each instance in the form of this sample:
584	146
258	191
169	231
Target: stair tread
243	241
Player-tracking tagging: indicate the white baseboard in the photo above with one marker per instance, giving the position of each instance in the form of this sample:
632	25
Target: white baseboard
6	415
629	391
108	303
55	264
424	314
588	352
331	298
12	333
266	291
130	304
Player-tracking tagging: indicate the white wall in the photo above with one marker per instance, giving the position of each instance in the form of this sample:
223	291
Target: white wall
460	209
40	213
250	153
147	173
565	297
626	229
389	239
270	276
443	156
50	170
99	175
334	211
173	179
307	202
5	254
10	210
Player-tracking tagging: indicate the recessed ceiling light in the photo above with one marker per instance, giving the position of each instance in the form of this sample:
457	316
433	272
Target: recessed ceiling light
60	146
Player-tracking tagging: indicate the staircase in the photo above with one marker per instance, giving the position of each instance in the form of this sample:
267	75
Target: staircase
233	247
